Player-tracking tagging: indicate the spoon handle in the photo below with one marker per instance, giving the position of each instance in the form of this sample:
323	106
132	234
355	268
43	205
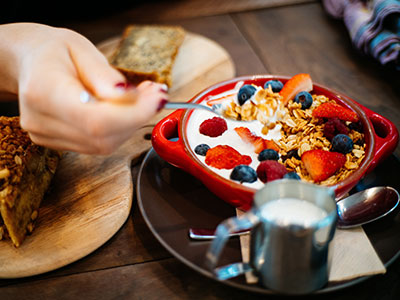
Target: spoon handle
209	234
187	105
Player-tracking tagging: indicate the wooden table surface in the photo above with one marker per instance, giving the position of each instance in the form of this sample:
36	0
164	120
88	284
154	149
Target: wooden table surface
285	38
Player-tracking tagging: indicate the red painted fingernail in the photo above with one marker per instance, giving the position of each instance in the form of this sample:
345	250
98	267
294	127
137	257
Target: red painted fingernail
123	85
162	104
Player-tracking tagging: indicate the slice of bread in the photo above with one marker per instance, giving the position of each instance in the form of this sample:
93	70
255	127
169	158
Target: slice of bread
26	171
147	52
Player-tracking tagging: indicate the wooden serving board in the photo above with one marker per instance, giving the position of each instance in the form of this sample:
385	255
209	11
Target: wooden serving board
200	63
91	196
90	200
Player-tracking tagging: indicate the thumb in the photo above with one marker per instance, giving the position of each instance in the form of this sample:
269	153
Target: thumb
94	71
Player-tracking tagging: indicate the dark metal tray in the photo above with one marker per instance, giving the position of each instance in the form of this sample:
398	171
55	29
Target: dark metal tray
171	201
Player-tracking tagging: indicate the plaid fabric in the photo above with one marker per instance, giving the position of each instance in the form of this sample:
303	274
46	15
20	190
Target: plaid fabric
374	26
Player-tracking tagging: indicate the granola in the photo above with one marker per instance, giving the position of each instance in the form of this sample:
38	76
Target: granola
300	131
26	170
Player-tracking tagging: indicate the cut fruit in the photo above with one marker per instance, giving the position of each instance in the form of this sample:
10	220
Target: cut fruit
258	142
321	164
296	84
334	110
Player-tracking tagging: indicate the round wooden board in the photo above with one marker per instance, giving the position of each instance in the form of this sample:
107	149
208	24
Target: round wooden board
90	200
199	64
91	196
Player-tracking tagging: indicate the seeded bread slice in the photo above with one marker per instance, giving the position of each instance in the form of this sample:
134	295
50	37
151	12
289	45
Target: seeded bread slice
26	170
147	52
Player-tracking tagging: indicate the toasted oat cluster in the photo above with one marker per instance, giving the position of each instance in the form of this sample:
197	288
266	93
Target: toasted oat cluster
308	123
266	108
26	170
302	132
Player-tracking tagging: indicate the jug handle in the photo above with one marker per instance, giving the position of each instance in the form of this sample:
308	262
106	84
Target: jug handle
224	229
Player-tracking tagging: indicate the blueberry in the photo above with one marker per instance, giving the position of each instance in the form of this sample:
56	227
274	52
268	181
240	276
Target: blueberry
244	173
268	154
357	126
304	98
201	149
360	142
245	93
342	143
292	175
276	85
292	153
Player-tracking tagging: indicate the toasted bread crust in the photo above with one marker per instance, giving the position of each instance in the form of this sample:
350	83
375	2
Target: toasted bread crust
148	52
26	170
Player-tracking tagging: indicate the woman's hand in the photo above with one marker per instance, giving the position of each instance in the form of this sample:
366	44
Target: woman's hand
54	71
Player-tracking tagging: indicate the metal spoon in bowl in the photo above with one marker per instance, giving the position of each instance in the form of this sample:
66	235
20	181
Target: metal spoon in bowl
356	210
216	108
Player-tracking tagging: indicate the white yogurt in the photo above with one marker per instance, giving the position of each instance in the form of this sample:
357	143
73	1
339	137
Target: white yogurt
229	137
292	211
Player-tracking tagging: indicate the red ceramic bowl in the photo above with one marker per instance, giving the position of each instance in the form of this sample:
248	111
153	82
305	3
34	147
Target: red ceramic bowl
381	137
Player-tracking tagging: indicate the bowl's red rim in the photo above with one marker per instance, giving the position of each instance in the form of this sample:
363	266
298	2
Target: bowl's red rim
349	102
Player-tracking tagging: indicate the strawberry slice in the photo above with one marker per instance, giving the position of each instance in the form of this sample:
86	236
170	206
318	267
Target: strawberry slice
225	157
258	142
321	164
298	83
334	110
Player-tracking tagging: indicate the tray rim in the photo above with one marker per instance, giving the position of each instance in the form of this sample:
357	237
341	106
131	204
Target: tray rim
246	287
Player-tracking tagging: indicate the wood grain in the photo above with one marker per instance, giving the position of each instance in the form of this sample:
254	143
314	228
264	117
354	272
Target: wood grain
92	195
174	10
224	30
113	272
169	279
90	201
321	47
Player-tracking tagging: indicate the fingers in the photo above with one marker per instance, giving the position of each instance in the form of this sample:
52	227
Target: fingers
48	131
151	98
93	69
58	119
39	124
53	112
138	107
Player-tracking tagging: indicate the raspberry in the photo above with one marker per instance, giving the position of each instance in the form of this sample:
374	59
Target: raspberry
269	170
329	130
333	127
225	157
213	127
340	126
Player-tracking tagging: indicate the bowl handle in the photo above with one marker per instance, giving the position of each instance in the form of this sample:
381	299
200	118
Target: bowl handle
386	136
171	151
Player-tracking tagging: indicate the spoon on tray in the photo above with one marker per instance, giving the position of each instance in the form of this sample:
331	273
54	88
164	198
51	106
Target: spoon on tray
356	210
